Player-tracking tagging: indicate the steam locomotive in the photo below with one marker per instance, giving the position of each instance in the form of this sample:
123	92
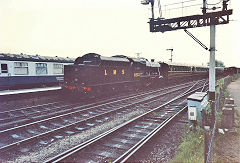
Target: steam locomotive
93	74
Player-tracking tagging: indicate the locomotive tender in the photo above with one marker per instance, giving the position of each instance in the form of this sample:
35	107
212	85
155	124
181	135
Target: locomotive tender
27	71
93	74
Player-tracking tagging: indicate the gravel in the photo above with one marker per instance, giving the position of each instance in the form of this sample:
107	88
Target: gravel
162	147
40	154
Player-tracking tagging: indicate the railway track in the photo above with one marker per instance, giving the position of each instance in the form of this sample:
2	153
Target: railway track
68	124
20	116
24	115
122	141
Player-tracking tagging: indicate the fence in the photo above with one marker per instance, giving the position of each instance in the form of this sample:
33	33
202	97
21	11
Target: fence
209	136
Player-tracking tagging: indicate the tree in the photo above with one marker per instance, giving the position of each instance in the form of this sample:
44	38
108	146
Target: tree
218	63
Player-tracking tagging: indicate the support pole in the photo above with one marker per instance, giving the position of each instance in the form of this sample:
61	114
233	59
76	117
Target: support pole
212	69
152	8
211	89
204	9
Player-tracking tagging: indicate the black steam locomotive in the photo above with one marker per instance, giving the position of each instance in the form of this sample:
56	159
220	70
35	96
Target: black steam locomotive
93	74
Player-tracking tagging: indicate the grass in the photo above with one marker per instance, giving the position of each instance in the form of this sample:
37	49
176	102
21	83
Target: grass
220	83
192	147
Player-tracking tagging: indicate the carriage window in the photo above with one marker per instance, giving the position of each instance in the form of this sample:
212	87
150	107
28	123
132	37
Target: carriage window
58	68
4	68
20	68
41	68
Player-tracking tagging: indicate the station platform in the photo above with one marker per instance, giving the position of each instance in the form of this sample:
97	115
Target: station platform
234	90
31	90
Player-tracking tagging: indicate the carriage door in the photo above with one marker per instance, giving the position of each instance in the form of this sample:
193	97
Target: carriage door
4	69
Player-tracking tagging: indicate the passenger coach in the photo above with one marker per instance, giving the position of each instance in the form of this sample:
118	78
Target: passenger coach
26	71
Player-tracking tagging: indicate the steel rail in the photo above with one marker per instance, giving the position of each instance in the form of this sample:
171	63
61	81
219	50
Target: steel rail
29	107
129	153
27	115
71	124
135	148
16	122
71	151
74	112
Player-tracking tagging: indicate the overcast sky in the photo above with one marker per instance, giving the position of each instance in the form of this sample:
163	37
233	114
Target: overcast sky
110	27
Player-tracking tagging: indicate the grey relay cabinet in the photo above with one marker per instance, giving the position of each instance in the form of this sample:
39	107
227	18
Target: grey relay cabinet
196	102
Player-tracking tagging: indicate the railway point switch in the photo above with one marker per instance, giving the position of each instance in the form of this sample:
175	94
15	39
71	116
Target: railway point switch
196	102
